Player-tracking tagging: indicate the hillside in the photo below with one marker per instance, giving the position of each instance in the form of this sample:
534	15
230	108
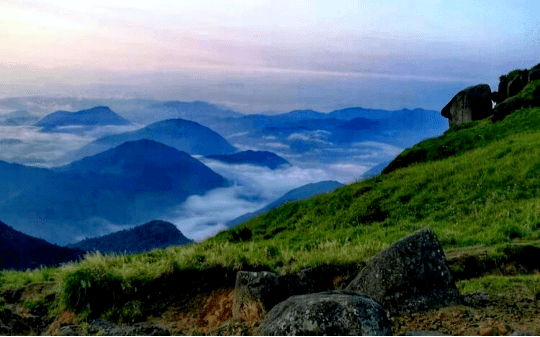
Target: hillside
476	187
21	251
300	193
152	235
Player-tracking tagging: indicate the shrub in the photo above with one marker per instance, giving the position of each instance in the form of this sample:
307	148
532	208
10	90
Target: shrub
92	289
244	234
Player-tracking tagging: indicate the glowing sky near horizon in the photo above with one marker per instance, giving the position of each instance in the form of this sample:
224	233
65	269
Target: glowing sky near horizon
60	38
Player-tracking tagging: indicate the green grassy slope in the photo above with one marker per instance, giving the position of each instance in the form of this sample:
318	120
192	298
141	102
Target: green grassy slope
475	185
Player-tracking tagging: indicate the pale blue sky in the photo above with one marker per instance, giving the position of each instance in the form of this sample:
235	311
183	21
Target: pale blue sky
69	42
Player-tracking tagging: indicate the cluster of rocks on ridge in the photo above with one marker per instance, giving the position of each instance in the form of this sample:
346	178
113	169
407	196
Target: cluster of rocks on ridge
476	102
410	276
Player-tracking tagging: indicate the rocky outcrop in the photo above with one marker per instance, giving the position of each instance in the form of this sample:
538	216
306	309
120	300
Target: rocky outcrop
508	106
534	75
410	276
258	292
470	104
517	84
328	313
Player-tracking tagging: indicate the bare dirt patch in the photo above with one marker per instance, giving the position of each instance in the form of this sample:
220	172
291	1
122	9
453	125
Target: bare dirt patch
203	314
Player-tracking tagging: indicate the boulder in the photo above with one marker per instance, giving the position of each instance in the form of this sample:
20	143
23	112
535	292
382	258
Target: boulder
503	88
515	86
505	108
534	75
470	104
478	299
254	294
410	276
496	97
258	292
328	313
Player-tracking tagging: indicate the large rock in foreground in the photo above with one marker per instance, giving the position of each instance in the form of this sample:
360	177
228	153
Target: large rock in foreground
258	292
470	104
410	276
334	313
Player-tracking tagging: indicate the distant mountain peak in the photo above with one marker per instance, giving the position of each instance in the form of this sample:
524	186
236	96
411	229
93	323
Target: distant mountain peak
184	135
258	158
96	116
151	235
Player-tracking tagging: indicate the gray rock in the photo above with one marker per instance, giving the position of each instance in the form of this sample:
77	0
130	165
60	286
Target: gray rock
515	86
503	88
478	299
258	292
523	333
69	330
331	313
255	293
106	328
504	109
470	104
496	97
424	333
534	75
410	276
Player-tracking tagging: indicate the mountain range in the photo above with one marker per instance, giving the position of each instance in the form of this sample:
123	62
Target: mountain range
198	111
133	182
184	135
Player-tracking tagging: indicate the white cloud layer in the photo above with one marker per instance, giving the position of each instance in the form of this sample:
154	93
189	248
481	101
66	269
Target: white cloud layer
28	145
254	187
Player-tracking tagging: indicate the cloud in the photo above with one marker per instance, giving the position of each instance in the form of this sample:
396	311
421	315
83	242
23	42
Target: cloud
238	134
254	187
277	145
202	216
317	136
379	148
28	145
37	147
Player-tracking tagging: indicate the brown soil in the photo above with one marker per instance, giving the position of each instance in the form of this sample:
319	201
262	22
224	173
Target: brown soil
203	314
503	315
65	318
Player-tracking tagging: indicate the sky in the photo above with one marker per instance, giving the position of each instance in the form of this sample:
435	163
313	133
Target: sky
271	55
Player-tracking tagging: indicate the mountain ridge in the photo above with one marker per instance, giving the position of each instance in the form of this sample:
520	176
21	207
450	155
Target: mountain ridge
133	182
96	116
184	135
151	235
20	251
257	158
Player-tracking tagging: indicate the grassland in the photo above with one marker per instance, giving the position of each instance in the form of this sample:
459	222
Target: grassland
477	185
